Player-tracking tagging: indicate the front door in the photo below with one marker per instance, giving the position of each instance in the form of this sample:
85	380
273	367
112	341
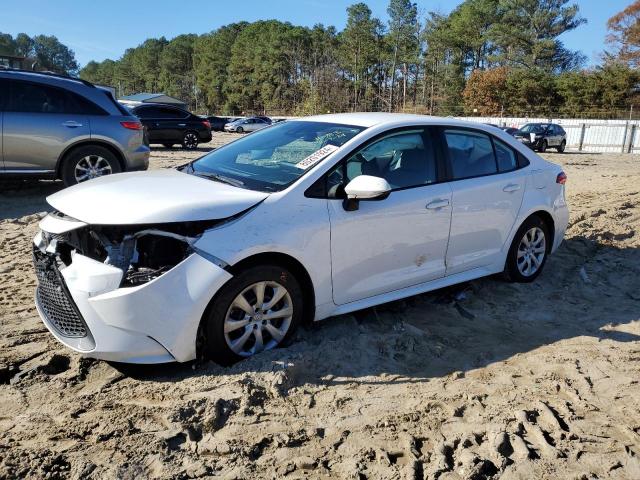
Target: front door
397	242
487	193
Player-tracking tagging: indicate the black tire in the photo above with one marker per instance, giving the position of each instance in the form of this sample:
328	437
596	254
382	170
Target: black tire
167	145
239	130
562	146
543	146
190	140
511	271
105	161
213	342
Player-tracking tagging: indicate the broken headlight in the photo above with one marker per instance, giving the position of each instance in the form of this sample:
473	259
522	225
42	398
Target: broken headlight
143	253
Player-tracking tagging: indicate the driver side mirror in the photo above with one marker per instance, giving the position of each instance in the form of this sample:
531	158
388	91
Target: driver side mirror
365	187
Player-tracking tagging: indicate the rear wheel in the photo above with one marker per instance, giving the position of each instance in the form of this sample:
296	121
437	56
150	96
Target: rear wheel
543	146
190	140
256	310
562	146
528	252
88	162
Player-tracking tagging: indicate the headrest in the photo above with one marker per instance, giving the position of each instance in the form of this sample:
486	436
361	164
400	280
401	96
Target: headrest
413	160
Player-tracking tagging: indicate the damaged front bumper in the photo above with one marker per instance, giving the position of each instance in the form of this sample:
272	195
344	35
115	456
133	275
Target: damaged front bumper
88	307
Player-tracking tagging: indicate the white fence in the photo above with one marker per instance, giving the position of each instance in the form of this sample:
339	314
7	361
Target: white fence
611	136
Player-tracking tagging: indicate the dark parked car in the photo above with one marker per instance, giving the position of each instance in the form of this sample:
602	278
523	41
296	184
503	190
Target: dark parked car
168	125
217	123
540	136
266	119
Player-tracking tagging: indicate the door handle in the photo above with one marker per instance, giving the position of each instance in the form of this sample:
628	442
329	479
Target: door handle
71	124
436	204
512	187
182	124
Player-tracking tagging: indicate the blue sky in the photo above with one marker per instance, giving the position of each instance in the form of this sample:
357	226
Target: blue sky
96	30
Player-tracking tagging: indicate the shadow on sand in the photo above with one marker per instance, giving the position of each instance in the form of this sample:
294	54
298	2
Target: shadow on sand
456	329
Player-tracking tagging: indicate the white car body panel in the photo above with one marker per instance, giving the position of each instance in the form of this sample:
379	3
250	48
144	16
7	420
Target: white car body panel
482	218
407	240
156	196
386	250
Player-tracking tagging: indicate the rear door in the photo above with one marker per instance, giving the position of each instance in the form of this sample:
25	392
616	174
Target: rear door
552	136
487	191
172	123
559	133
39	123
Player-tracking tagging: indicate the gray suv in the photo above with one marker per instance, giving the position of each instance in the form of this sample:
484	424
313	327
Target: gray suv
54	126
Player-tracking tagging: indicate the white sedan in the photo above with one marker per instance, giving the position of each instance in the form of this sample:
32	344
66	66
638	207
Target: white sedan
225	256
246	125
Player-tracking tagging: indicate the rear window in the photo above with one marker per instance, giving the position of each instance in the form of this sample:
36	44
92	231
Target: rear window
507	159
470	154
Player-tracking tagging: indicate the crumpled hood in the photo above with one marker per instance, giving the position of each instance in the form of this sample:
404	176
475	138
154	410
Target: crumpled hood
157	196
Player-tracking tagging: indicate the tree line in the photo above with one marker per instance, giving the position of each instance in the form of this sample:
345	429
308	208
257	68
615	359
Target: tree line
486	57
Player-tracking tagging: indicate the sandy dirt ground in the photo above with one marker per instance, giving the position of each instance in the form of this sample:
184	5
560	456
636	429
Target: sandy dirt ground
484	380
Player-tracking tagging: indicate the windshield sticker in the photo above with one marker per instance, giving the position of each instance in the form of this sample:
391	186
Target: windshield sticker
316	156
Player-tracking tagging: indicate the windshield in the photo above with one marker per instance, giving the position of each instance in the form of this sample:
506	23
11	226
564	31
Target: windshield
533	128
273	158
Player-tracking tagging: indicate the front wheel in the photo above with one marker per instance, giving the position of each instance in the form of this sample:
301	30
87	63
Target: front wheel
239	129
88	162
190	141
256	310
528	252
562	146
543	146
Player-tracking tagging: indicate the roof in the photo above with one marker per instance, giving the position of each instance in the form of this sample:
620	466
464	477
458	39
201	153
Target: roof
141	97
48	76
364	119
370	119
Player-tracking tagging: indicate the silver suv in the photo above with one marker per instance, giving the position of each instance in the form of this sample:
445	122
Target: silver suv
54	126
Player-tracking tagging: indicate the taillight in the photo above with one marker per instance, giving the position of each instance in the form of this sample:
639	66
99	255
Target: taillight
206	124
561	178
132	125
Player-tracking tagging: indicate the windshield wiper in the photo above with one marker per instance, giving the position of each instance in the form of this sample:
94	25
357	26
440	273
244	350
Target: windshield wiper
220	178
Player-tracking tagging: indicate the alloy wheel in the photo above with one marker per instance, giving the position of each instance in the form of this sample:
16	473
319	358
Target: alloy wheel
531	251
190	140
91	166
258	318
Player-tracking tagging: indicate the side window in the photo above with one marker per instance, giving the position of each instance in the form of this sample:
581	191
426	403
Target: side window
144	112
36	98
164	112
470	153
401	158
152	112
507	159
79	104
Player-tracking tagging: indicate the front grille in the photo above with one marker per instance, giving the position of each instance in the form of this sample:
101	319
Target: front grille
54	298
